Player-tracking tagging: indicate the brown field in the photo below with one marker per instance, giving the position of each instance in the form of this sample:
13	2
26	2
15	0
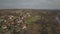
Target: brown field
42	21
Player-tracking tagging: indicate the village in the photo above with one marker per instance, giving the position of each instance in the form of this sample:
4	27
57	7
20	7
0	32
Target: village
11	22
29	22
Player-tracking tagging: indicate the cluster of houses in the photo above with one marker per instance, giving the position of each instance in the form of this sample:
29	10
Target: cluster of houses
11	22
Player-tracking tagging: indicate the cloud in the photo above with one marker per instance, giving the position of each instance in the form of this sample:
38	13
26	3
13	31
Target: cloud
34	4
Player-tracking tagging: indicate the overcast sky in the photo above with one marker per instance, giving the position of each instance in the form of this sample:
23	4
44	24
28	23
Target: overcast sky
34	4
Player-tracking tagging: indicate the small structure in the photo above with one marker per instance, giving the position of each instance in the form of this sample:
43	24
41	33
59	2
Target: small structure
24	26
4	25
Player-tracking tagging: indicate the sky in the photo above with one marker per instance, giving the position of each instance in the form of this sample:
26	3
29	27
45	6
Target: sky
29	4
